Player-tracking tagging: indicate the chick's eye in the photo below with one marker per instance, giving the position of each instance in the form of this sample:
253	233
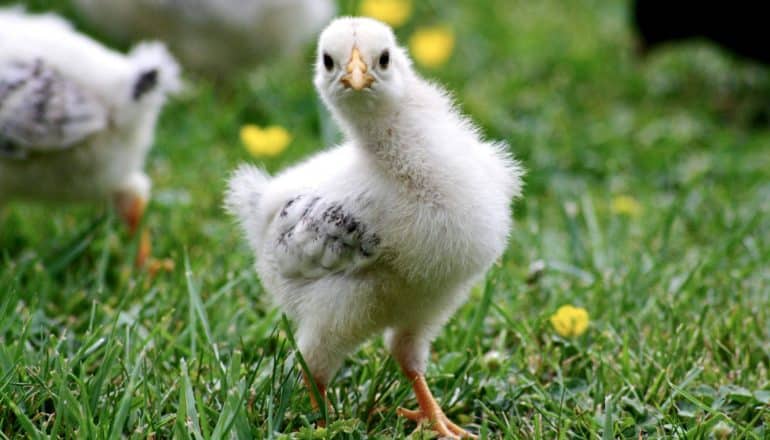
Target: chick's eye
328	62
385	59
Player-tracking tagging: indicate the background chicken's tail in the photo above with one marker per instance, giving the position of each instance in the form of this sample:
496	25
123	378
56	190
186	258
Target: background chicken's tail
242	199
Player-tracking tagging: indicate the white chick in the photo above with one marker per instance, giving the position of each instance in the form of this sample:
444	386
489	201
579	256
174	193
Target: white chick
77	119
389	231
213	36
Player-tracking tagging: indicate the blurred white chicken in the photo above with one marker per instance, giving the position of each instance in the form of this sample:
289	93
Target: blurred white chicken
213	36
77	119
388	231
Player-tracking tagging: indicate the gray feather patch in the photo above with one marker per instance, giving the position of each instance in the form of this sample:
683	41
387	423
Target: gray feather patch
41	110
319	237
145	83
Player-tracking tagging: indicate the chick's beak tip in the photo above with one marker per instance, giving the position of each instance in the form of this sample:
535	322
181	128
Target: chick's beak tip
357	76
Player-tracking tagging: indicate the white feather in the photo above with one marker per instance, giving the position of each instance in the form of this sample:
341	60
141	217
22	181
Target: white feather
247	184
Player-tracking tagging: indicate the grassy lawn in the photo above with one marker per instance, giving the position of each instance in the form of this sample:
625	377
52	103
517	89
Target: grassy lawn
677	285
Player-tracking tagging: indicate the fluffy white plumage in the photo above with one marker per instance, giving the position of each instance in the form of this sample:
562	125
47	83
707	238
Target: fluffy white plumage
388	231
214	36
76	119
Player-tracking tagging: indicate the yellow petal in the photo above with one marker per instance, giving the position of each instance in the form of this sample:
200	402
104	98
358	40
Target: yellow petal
432	47
265	142
626	205
392	12
570	321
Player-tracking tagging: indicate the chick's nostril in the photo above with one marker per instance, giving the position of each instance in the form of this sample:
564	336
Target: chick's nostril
357	80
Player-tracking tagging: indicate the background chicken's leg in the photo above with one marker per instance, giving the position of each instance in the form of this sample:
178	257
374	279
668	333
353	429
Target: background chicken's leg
131	204
131	210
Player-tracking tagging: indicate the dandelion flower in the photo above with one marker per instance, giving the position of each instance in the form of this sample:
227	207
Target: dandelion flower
626	205
433	46
493	360
265	142
392	12
570	321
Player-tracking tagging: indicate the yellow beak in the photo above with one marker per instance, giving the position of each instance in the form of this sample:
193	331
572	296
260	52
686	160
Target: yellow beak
357	77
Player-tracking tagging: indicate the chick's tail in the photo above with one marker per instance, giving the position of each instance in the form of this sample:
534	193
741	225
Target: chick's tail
242	199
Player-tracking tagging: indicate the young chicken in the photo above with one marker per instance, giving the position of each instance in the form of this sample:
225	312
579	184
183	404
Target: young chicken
389	231
213	36
77	119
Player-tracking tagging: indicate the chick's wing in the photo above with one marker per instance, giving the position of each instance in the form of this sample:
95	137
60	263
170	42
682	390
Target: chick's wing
317	237
43	111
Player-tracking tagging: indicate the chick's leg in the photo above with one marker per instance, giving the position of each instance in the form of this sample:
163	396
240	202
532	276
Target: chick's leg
323	353
411	352
130	202
313	402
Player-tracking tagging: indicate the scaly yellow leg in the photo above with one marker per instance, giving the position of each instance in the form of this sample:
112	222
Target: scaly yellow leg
430	412
316	406
131	210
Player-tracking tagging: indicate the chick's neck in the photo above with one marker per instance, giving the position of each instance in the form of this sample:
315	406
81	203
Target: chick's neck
394	138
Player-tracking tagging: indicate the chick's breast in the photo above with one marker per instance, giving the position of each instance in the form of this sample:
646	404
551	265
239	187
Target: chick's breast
344	244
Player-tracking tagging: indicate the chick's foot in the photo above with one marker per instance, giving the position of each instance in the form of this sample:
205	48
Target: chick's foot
430	412
313	402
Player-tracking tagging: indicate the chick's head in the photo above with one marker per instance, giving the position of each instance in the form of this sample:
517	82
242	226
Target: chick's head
359	65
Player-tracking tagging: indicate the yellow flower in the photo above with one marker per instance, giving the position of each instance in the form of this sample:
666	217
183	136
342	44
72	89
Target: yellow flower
432	46
392	12
269	141
626	205
570	321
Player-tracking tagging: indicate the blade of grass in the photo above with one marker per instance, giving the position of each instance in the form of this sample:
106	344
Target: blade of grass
197	310
74	248
125	401
306	371
29	427
481	312
187	414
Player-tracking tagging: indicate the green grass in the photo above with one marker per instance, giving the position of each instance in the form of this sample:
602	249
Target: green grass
679	296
